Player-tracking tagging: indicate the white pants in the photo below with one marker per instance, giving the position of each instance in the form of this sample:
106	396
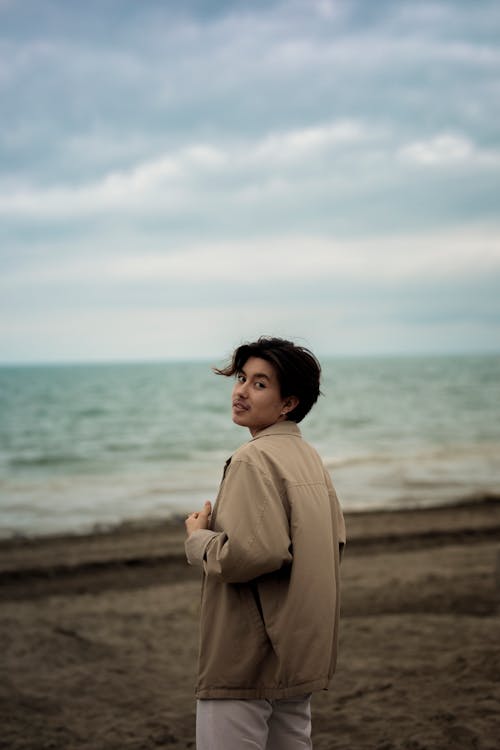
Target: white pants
283	724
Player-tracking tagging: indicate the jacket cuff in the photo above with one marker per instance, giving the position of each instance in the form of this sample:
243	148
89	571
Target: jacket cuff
196	544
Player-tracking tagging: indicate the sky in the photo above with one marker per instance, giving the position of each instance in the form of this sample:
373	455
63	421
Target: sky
177	178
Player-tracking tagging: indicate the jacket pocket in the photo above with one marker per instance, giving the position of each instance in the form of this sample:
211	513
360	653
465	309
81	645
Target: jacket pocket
251	605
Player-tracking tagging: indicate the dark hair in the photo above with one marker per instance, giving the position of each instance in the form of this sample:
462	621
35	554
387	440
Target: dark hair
297	369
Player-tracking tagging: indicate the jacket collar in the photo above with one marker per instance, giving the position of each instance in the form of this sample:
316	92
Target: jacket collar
279	428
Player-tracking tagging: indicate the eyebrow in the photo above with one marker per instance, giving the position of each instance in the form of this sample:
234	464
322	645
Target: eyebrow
257	374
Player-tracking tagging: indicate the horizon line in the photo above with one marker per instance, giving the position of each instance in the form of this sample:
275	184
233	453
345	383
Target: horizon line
208	359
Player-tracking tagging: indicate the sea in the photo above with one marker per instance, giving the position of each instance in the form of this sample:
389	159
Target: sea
87	447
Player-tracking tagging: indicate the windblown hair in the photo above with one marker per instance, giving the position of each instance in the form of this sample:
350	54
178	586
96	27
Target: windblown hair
297	368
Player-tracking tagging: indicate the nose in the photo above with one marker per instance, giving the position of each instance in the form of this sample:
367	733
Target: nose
240	389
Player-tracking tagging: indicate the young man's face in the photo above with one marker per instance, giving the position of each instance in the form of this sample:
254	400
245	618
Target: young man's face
256	398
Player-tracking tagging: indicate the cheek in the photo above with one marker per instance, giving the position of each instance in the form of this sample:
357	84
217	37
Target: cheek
274	403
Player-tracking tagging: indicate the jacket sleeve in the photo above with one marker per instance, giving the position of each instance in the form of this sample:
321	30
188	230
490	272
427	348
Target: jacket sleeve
196	544
253	529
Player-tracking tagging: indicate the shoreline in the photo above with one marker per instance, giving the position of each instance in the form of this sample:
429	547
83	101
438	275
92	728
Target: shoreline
176	519
138	554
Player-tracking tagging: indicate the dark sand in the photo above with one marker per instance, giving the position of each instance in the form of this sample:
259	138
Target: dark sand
99	637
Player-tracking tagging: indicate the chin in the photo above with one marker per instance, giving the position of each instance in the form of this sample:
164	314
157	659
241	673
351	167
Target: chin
239	419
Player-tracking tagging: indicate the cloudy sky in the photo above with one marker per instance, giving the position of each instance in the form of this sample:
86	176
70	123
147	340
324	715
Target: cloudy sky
179	176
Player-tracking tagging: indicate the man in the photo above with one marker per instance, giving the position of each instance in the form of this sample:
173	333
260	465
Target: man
270	553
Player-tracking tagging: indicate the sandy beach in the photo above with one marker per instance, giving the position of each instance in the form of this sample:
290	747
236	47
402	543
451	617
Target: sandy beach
99	637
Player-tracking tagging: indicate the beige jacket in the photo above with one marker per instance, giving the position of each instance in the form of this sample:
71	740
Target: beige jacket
270	595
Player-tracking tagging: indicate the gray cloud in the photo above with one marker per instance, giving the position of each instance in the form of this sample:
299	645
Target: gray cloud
218	143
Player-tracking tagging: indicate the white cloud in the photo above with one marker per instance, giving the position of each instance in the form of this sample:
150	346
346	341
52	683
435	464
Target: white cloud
307	259
169	181
297	145
448	149
329	159
464	252
153	180
326	8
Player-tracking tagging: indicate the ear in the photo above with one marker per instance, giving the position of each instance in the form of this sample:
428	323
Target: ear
289	404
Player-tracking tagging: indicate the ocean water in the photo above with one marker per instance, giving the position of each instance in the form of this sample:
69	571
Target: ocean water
92	446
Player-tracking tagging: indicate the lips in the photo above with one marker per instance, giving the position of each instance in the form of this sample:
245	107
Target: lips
240	405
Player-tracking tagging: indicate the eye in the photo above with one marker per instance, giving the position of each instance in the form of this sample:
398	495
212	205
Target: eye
259	384
240	378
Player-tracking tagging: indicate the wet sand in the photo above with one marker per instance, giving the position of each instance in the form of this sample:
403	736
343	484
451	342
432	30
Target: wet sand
99	637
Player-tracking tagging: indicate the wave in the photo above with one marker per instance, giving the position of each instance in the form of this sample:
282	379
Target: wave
46	460
448	453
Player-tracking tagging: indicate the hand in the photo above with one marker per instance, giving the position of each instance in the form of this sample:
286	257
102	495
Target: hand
199	520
